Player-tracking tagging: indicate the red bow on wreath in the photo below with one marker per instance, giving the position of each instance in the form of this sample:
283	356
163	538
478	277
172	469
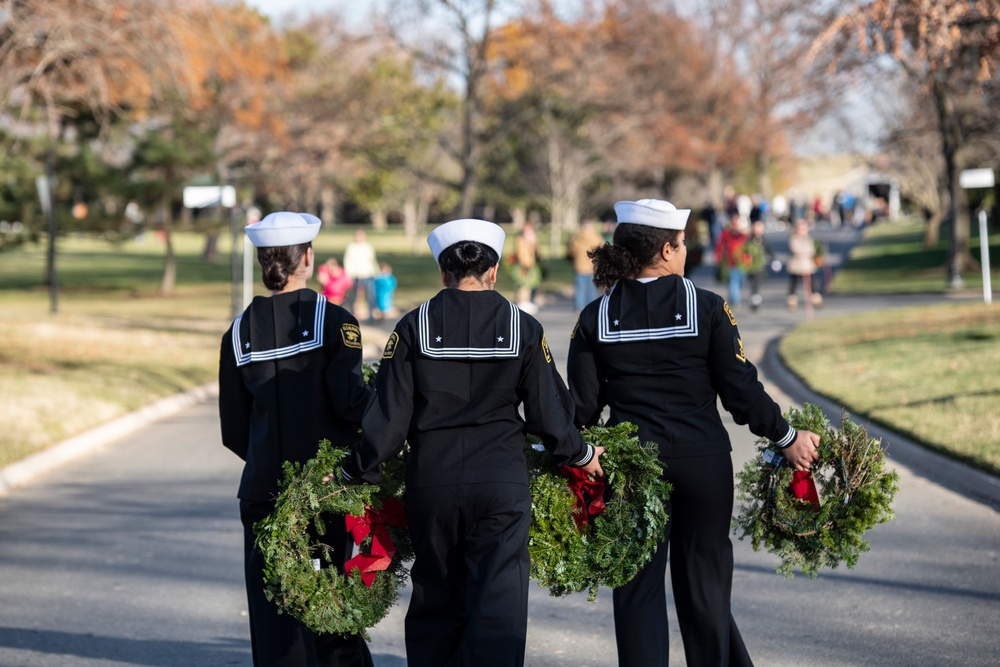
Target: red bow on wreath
803	487
374	523
584	488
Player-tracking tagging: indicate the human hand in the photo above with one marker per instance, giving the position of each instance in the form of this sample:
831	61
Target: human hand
803	452
593	469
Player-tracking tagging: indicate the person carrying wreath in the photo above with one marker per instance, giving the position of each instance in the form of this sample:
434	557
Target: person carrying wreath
289	376
451	380
660	352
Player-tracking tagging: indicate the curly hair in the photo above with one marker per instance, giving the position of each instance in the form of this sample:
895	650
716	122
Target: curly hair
633	248
466	258
279	262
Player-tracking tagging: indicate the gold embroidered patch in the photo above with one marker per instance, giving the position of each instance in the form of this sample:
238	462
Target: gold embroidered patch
575	327
729	313
740	354
390	346
351	335
545	350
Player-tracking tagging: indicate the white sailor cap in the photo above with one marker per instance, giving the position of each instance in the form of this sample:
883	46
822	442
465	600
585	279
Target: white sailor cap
466	229
653	213
283	228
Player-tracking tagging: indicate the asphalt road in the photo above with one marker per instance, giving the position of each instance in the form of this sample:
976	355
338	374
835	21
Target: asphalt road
131	554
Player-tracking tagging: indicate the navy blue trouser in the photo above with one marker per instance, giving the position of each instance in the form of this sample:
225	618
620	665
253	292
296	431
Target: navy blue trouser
280	640
701	572
470	575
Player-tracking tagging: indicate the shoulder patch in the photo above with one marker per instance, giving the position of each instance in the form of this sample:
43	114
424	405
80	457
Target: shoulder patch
738	349
729	313
351	335
390	346
576	326
545	350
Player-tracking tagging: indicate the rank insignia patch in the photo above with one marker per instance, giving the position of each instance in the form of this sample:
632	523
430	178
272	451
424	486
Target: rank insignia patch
351	335
729	313
390	346
738	349
545	351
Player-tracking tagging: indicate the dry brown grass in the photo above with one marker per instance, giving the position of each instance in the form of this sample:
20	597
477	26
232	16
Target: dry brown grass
61	375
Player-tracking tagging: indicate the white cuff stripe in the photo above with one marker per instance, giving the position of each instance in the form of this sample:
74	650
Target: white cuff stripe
586	457
788	439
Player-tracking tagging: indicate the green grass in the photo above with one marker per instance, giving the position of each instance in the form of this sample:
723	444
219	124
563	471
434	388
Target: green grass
929	373
892	260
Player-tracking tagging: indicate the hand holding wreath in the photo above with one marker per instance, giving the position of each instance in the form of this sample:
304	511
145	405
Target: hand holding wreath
586	533
817	519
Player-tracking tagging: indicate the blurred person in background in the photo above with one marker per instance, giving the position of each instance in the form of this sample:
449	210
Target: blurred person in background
335	281
580	245
361	265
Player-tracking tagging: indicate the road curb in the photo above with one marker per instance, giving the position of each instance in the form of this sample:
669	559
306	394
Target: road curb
21	472
938	468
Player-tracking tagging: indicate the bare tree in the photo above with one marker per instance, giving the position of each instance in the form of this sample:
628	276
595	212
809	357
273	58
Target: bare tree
786	93
949	48
450	40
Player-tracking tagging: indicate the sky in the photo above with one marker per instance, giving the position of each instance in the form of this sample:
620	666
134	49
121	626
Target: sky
353	10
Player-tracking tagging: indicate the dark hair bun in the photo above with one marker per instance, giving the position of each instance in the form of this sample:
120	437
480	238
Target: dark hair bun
466	258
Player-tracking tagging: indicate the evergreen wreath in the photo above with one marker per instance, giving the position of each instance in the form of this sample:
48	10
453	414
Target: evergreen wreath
322	597
854	489
609	548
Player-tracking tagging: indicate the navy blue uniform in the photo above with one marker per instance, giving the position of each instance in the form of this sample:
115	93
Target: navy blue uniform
452	378
289	376
661	353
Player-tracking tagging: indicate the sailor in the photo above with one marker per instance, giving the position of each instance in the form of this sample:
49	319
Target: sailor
289	376
452	377
661	352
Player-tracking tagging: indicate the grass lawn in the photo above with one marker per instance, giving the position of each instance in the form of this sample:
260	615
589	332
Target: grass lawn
927	372
892	260
117	345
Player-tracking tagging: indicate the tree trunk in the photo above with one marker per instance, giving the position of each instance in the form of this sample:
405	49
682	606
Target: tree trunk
959	252
764	174
716	185
467	188
211	251
380	219
422	212
328	206
518	216
410	219
933	230
169	278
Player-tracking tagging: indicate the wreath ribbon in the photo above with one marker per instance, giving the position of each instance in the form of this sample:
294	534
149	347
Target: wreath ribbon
375	523
583	487
803	487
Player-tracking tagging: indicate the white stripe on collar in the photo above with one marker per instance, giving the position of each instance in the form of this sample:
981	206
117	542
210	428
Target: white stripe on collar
512	348
315	341
606	334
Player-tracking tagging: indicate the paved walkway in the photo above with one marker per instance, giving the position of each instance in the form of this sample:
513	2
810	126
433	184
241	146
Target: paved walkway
131	555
